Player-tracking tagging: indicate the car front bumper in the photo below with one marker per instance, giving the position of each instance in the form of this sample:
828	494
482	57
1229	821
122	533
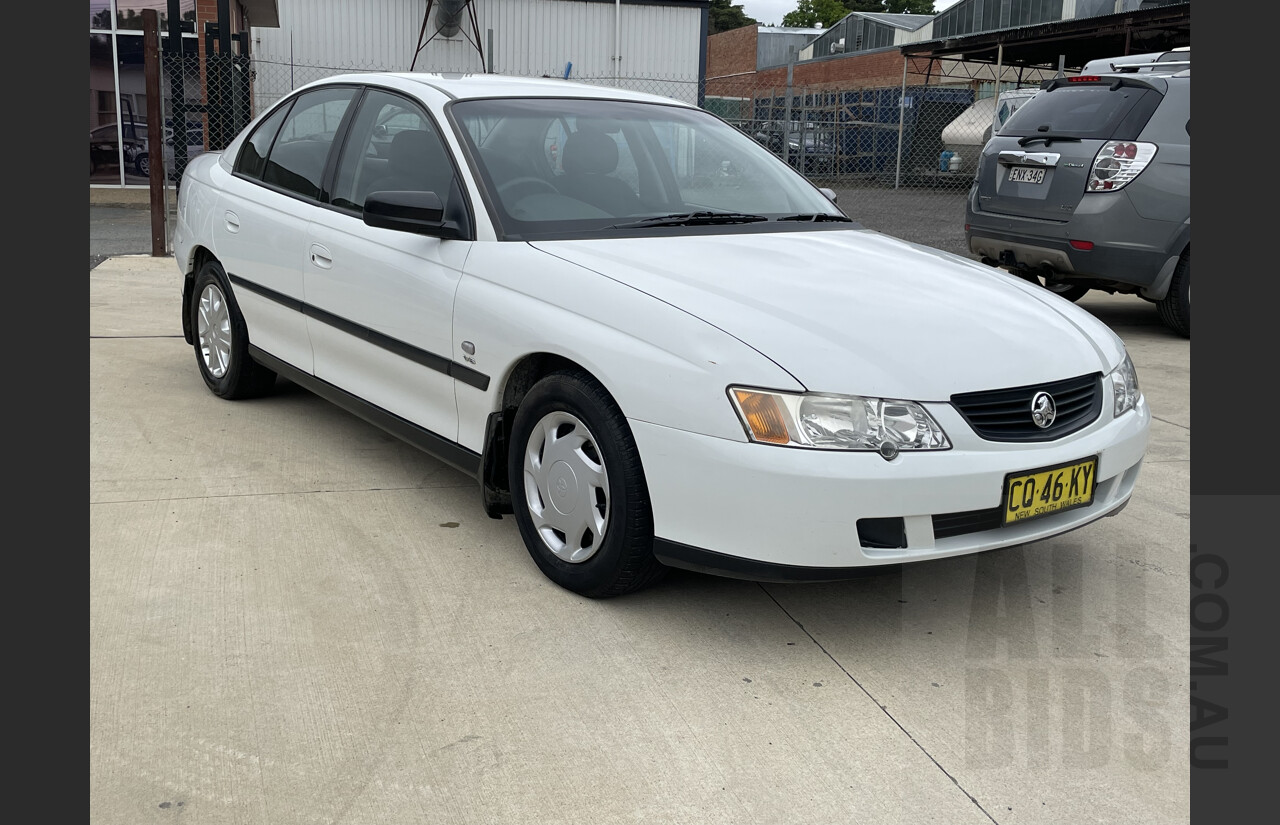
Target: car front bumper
783	514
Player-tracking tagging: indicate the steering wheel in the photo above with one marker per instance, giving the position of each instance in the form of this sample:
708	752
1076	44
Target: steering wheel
533	186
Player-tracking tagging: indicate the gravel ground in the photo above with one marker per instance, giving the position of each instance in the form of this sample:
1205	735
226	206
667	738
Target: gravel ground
118	230
934	217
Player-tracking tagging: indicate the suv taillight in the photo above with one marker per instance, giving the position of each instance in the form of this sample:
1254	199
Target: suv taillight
1117	163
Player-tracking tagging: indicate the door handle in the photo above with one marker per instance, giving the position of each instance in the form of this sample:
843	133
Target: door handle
233	221
321	257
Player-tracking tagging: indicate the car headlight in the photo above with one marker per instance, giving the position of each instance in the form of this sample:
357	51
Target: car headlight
836	422
1124	386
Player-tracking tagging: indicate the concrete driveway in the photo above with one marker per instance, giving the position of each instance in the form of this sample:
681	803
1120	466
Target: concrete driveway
296	619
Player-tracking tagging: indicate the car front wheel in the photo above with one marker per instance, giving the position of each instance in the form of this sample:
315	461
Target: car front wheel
222	341
578	489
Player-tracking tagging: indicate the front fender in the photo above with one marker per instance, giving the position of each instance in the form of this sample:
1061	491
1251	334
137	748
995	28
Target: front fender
661	364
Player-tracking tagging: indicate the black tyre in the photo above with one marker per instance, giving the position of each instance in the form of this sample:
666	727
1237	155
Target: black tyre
1071	293
222	341
1060	288
578	489
143	164
1065	290
1175	306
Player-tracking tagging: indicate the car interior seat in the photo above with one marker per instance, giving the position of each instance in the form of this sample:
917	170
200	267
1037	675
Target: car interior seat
589	159
416	162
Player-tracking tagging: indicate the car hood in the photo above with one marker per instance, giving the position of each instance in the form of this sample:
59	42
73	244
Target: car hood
855	311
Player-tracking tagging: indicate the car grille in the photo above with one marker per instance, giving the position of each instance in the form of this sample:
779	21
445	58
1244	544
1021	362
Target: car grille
1005	415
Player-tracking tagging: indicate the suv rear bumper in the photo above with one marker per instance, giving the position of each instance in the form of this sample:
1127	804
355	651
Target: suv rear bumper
1119	264
1128	249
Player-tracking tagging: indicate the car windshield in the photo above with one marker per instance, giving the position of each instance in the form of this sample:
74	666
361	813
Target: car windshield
563	168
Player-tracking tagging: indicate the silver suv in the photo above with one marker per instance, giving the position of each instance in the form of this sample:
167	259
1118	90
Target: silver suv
1088	186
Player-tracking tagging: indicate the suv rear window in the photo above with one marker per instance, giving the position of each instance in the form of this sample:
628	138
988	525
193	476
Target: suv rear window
1090	112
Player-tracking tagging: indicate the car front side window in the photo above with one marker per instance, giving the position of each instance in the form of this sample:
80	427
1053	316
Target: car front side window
393	146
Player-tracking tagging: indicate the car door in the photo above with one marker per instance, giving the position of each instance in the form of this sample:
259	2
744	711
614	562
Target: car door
381	300
260	231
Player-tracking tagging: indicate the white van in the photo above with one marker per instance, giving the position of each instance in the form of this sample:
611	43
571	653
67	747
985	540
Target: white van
1144	63
965	136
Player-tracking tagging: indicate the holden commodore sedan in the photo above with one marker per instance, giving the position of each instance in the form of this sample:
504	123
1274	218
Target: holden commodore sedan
646	337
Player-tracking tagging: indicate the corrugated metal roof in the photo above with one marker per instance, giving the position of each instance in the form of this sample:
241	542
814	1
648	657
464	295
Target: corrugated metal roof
1076	40
1095	19
910	22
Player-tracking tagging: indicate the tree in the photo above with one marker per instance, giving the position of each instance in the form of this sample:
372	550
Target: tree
891	6
811	13
724	17
864	5
909	7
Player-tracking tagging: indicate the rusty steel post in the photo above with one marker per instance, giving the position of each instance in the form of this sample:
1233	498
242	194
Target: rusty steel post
155	128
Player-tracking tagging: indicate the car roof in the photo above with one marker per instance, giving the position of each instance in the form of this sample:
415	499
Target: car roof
462	86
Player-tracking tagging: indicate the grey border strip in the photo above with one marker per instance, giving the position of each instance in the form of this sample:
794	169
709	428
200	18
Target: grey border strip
431	360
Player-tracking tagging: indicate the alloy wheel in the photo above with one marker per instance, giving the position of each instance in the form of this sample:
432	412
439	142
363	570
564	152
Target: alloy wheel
213	329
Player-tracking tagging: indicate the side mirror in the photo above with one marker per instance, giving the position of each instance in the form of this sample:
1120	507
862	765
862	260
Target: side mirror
419	212
830	193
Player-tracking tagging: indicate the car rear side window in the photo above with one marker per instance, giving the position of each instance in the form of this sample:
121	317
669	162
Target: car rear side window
1089	112
298	156
253	157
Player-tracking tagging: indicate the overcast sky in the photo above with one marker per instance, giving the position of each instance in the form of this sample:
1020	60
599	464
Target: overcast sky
771	12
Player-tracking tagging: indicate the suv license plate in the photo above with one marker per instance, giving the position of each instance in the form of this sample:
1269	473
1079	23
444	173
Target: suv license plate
1049	490
1026	174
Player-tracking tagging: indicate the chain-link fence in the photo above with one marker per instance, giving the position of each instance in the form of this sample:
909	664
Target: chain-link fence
900	158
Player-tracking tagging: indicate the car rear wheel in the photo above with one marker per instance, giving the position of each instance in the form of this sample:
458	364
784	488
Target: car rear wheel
1070	292
143	164
222	340
1062	289
1175	306
578	489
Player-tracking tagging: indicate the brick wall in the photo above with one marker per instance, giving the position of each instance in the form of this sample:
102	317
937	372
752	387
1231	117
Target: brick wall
859	71
732	52
207	12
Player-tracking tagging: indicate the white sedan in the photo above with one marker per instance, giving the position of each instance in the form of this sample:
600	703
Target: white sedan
645	336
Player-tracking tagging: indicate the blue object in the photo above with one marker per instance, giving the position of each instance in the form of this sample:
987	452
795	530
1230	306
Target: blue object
944	160
568	67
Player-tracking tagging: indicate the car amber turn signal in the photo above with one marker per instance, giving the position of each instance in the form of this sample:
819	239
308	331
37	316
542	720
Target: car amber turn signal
763	417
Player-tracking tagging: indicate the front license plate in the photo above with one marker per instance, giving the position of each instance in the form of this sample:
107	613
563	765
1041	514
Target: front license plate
1026	174
1049	490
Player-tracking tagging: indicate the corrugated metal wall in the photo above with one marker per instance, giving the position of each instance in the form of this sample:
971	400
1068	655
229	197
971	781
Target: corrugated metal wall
774	48
659	44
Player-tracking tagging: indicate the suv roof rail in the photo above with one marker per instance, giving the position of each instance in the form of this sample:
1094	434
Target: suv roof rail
1133	67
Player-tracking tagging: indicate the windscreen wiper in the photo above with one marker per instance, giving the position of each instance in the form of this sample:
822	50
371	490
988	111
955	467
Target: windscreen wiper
1047	138
816	217
692	219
